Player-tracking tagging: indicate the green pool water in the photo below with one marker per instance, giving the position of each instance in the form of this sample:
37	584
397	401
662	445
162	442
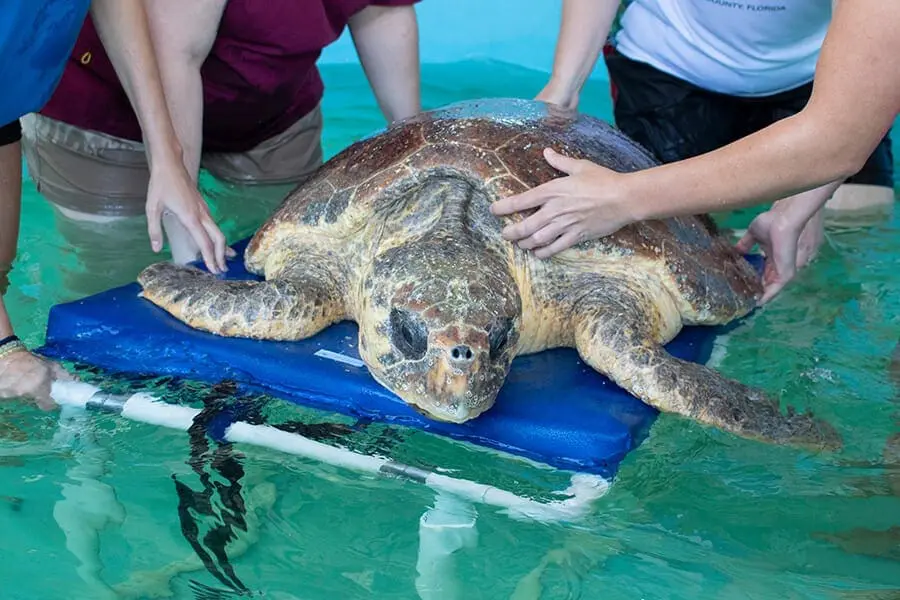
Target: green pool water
692	513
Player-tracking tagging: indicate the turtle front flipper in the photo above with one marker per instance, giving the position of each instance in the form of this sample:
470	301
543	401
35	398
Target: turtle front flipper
281	309
619	333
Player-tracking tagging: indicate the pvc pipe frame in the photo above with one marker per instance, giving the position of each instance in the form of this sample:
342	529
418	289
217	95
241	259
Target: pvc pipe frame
583	491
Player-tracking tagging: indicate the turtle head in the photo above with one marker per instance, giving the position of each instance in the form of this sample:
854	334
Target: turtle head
441	331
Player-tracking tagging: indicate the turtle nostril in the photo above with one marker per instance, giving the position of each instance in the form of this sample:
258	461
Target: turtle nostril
462	354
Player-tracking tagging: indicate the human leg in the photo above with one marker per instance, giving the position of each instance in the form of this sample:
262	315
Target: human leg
671	118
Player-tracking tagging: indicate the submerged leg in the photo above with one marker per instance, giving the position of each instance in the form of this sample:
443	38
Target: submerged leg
617	335
293	308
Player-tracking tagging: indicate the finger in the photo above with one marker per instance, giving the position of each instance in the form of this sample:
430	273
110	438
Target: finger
785	258
42	394
528	226
203	241
60	373
207	250
563	242
230	252
45	402
772	290
561	162
746	243
533	198
809	242
547	234
775	276
218	239
154	226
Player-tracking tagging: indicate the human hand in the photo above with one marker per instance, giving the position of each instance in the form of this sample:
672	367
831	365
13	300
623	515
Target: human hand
26	375
788	243
589	203
554	94
172	191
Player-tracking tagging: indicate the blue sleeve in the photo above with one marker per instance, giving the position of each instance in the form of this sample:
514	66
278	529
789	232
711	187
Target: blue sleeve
36	39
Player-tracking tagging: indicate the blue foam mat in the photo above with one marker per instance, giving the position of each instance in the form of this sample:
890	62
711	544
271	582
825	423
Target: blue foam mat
553	408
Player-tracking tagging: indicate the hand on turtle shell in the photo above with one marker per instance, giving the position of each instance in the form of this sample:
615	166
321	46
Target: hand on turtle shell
26	375
788	244
171	189
584	205
555	97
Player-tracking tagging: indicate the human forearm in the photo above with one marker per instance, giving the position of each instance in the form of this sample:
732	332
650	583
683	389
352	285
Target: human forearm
794	157
10	211
184	96
387	41
10	201
123	29
583	30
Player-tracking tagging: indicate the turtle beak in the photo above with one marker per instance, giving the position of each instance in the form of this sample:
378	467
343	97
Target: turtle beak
438	405
460	415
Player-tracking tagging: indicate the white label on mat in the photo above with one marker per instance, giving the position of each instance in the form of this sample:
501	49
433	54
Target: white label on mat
343	358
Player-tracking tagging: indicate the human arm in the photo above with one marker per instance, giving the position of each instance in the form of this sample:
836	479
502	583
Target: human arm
183	34
22	374
123	29
10	213
387	42
855	99
583	30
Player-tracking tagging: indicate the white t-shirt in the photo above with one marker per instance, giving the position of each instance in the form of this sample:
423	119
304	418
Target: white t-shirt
741	48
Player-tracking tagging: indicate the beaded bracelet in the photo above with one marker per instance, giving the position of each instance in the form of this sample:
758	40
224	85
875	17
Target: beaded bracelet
9	345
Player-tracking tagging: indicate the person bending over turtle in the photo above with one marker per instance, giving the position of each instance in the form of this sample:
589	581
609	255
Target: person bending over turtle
689	78
36	37
242	85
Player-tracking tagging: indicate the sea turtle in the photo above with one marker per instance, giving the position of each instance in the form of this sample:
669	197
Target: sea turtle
395	233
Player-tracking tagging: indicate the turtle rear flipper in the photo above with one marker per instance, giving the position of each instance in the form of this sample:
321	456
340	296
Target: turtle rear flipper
620	335
280	309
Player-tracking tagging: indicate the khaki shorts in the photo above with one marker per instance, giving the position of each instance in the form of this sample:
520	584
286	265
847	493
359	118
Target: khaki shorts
90	172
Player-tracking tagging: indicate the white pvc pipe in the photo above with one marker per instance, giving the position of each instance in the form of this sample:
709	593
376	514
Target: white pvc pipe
583	491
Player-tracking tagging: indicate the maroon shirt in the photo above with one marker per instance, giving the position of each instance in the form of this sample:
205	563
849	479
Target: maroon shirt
259	78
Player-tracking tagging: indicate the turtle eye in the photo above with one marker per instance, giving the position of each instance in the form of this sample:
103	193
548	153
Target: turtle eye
498	336
409	334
